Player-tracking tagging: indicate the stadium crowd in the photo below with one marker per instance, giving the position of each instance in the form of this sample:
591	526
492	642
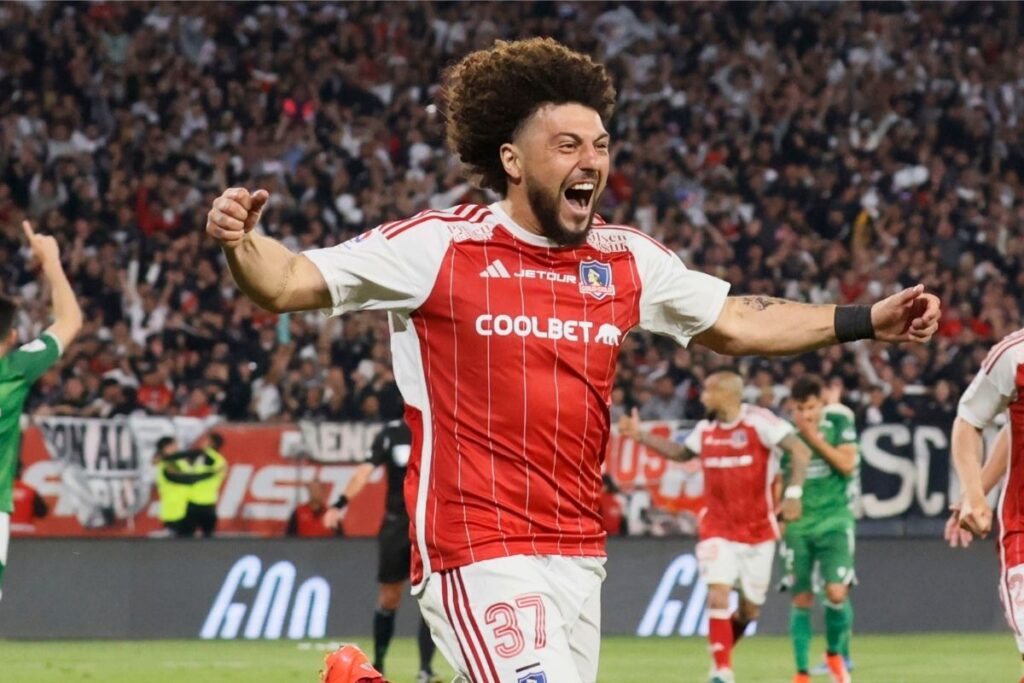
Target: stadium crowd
824	152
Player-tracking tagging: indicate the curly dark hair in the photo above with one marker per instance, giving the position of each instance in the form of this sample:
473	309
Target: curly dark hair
490	93
806	387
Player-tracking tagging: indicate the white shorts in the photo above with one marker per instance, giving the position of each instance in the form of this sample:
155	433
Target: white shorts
745	566
519	619
1011	592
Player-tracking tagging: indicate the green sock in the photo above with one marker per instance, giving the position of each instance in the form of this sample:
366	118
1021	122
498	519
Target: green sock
800	632
837	627
845	652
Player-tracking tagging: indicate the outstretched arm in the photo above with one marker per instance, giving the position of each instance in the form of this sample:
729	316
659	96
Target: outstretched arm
269	273
762	325
629	425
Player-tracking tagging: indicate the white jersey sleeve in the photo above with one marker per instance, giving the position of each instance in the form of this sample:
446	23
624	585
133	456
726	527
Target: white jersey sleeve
994	387
675	301
382	270
693	439
771	428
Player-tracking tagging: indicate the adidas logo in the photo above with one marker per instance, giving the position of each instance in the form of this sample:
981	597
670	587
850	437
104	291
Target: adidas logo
495	269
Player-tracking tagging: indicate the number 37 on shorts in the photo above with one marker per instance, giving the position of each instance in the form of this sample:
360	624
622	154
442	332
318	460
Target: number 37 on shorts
512	619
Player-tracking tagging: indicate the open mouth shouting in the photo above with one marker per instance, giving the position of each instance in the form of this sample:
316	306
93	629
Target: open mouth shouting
579	197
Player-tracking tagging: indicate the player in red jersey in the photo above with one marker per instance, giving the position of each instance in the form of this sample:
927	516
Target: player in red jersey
738	530
997	389
506	321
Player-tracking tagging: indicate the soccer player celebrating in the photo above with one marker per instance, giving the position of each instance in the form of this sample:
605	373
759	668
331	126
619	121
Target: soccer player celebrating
21	366
996	389
506	321
824	536
738	530
391	449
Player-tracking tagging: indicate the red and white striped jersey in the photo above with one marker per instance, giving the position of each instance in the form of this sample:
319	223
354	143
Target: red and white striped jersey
738	470
504	347
999	386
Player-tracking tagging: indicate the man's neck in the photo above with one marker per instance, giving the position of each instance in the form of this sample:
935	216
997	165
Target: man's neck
518	209
729	413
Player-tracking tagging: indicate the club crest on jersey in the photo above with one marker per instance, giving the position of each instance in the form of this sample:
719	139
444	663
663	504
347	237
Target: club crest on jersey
534	677
596	279
739	439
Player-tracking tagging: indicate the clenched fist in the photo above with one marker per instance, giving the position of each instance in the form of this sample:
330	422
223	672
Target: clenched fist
235	213
976	515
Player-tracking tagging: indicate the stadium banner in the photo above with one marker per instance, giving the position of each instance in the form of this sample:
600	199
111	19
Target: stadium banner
97	475
325	588
905	471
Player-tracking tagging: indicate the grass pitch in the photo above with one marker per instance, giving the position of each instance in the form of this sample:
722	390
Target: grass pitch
941	658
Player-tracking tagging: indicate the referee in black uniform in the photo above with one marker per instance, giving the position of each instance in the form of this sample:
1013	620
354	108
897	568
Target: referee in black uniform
390	449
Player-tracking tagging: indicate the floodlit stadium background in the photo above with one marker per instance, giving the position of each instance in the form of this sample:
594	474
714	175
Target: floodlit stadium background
830	153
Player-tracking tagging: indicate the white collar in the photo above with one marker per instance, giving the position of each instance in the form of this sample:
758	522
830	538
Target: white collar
518	231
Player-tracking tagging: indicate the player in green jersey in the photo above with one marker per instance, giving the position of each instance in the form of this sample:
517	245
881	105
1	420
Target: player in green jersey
824	536
20	366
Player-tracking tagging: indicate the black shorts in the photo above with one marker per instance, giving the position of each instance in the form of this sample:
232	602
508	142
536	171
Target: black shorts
198	517
393	549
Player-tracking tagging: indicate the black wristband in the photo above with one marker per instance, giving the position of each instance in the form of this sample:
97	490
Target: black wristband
853	323
341	502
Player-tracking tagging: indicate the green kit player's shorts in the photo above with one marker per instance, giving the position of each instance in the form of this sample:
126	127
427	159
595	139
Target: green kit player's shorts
827	545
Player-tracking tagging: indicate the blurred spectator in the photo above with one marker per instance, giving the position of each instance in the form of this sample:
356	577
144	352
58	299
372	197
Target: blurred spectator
307	520
666	403
871	412
898	406
173	483
210	467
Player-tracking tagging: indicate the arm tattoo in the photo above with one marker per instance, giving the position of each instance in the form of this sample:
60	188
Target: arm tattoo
759	303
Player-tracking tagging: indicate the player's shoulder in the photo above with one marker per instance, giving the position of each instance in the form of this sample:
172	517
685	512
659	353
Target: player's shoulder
615	238
703	425
41	349
1006	355
45	341
697	431
756	415
838	411
457	223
